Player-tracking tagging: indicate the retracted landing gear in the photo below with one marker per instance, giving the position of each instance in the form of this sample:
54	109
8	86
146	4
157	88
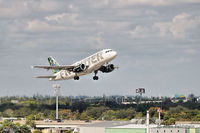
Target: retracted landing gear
95	77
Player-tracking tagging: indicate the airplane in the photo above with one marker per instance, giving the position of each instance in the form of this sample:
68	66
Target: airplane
94	63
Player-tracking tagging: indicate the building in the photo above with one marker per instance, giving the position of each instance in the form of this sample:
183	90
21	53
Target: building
100	127
130	128
133	126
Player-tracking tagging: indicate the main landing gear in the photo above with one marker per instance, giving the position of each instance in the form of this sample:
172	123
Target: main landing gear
95	77
76	77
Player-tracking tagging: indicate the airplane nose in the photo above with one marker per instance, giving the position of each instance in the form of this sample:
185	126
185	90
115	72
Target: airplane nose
114	53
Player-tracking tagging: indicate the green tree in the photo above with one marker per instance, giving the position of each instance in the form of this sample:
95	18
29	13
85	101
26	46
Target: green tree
138	115
96	112
109	115
80	106
170	121
24	129
8	113
30	121
125	114
197	117
153	111
84	116
8	126
177	109
37	131
122	114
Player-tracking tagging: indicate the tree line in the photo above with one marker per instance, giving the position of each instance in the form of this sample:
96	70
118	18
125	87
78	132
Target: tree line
39	108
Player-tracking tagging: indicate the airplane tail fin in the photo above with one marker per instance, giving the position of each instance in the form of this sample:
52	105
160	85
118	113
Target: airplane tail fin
52	62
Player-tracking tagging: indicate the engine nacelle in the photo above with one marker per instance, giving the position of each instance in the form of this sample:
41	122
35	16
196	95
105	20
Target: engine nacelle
79	68
107	69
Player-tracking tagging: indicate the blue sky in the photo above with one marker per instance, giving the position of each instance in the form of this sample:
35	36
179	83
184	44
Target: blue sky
157	42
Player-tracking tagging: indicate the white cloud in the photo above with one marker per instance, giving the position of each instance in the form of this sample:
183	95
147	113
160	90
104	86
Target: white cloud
139	32
18	8
73	8
66	18
120	3
183	60
48	5
139	2
191	51
135	12
97	25
15	9
129	12
151	12
96	41
29	44
112	25
37	25
99	3
179	25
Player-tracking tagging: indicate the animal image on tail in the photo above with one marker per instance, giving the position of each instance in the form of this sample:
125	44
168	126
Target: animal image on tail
52	62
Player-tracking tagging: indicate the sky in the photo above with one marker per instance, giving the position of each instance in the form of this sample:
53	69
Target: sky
157	41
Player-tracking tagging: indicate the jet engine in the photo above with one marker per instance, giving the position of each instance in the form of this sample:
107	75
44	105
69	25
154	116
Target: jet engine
79	68
107	69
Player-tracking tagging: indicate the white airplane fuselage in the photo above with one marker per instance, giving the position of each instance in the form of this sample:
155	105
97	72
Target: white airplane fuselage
93	62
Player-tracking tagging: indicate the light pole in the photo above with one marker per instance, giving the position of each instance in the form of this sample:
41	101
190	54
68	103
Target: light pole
56	93
159	110
147	122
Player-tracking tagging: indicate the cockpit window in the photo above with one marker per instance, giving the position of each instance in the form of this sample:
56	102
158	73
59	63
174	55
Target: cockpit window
108	51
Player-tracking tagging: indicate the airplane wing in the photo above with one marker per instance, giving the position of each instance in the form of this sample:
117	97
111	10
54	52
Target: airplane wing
55	67
46	77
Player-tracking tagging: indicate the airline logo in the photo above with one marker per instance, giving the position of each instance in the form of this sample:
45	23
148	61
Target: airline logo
93	59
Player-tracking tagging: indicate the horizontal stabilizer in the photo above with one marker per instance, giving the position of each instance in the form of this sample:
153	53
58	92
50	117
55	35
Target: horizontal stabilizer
46	77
